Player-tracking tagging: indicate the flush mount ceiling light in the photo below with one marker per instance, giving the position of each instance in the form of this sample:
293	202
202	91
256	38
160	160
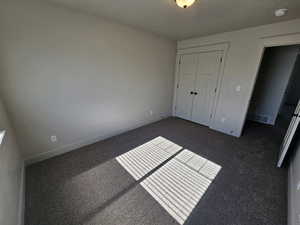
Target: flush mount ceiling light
185	3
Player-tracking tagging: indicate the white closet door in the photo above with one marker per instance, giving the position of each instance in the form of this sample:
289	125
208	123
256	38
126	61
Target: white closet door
289	135
206	86
187	74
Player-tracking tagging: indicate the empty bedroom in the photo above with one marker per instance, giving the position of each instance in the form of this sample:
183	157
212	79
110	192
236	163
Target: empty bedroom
165	112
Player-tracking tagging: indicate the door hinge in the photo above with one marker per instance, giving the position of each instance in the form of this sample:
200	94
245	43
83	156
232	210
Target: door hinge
215	90
221	59
179	61
296	115
177	85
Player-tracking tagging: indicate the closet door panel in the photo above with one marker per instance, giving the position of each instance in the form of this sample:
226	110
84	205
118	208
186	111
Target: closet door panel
186	85
205	86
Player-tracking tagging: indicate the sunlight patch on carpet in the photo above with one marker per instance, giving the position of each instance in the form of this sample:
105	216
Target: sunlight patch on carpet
180	183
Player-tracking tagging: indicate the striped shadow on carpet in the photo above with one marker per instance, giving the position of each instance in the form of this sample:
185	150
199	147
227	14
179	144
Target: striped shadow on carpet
144	158
178	185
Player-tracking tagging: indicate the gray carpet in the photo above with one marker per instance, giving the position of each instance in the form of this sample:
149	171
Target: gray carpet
89	187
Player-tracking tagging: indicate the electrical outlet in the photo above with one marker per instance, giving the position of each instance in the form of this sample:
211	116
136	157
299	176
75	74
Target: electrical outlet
238	88
53	138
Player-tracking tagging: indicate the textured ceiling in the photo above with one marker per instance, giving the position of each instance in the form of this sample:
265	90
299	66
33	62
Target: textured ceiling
204	17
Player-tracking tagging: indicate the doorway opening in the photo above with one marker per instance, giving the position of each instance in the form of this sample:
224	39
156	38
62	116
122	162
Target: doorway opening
277	90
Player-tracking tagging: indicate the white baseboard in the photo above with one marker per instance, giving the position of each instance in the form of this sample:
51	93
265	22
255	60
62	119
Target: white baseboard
262	118
22	196
61	150
76	145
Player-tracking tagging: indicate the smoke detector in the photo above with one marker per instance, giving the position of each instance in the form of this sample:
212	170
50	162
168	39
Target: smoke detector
280	12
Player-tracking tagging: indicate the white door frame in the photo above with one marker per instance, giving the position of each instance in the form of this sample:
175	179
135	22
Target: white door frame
289	135
224	46
265	42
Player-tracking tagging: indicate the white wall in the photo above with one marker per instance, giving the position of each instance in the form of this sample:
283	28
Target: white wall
11	166
241	67
273	78
294	182
293	94
79	77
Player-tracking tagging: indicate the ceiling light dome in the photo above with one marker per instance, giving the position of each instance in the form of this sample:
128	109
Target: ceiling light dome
184	3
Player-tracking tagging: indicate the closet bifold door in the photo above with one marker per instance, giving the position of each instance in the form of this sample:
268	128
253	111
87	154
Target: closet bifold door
289	135
186	86
208	68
